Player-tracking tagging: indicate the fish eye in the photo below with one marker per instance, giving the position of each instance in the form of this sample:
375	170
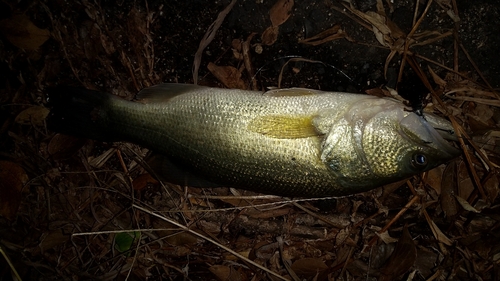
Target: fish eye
419	160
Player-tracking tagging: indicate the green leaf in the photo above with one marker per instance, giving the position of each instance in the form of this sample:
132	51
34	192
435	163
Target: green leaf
125	240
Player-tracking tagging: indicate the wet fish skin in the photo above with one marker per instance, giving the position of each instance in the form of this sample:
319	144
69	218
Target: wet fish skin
292	142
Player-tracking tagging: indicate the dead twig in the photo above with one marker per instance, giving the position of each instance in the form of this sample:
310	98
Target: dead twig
393	220
187	229
208	37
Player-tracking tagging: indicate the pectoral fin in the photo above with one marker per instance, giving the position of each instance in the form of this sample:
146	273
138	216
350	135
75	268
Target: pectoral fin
284	127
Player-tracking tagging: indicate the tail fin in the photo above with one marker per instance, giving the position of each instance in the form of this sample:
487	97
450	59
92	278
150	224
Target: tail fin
79	112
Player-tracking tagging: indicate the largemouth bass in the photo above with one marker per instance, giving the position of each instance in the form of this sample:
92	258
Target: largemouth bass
291	142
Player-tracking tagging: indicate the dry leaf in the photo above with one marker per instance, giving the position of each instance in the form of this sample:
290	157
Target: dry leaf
64	146
280	12
402	258
308	266
225	273
262	250
208	37
100	160
22	33
202	202
228	75
384	236
449	185
143	181
482	113
270	35
446	5
438	80
342	235
267	214
12	180
245	48
434	178
466	204
236	46
438	234
492	187
471	91
174	236
378	92
52	239
33	115
328	35
465	185
492	102
379	26
396	32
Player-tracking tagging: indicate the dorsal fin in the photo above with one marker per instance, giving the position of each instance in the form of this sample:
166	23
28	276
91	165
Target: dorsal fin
292	92
164	92
284	127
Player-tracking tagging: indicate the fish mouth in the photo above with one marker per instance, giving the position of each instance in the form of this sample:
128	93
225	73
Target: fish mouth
432	132
443	134
442	126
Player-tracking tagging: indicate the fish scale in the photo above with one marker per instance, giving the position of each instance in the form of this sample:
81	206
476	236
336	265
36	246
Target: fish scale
293	142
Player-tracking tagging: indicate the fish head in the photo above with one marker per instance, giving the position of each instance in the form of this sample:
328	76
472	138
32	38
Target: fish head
382	143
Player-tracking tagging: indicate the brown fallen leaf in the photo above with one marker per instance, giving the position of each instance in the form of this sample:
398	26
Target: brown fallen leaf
228	75
267	214
492	102
449	184
438	234
483	113
236	46
465	185
386	238
402	258
12	180
225	273
438	80
378	22
174	236
328	35
308	267
22	33
208	37
466	204
446	5
52	239
64	146
434	178
280	12
270	35
245	51
492	187
34	115
143	181
378	92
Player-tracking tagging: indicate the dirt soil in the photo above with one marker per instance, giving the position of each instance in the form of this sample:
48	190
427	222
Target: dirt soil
77	209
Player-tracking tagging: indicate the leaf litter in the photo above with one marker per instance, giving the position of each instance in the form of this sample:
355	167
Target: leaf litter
70	199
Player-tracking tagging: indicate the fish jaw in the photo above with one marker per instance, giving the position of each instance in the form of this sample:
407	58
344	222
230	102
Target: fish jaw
433	132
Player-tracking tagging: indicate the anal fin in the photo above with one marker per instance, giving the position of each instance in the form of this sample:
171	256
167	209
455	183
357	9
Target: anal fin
167	170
